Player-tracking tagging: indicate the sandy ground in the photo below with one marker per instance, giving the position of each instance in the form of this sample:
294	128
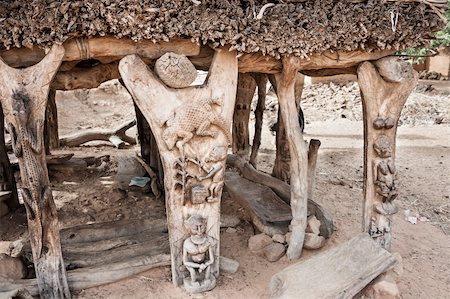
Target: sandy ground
423	163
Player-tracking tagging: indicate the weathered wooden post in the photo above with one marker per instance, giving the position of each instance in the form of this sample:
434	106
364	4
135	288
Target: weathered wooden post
298	151
385	85
23	95
191	126
261	82
244	96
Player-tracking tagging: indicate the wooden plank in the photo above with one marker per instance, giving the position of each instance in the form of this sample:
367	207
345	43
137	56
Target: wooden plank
258	199
340	272
4	195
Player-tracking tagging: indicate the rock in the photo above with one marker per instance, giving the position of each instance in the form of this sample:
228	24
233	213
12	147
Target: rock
313	241
258	242
279	238
228	265
231	230
273	252
3	209
313	225
227	220
127	168
5	247
175	70
288	237
384	287
17	248
11	268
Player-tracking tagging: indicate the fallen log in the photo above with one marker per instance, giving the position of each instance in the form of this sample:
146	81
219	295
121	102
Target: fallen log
116	136
84	278
340	272
282	189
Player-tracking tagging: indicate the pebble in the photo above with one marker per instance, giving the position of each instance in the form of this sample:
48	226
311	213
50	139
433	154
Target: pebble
228	265
313	225
259	242
273	252
313	241
383	288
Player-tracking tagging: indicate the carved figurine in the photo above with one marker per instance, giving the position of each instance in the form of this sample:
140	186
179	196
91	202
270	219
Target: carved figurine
216	171
383	147
198	256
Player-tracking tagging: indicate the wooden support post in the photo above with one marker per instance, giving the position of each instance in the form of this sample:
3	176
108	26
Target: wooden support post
192	129
298	150
244	96
7	181
313	152
51	133
23	95
261	82
281	167
149	148
385	85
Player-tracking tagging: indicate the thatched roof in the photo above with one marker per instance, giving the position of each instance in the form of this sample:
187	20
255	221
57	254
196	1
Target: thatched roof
301	28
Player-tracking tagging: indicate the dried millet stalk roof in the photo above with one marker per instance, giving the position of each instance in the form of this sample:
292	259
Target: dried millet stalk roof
299	28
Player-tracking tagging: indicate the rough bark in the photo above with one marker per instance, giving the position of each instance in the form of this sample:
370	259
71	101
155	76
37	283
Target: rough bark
385	85
24	94
192	130
285	86
244	96
261	82
314	145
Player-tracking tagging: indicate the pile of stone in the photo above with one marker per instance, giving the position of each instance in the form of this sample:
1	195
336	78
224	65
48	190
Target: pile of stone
274	247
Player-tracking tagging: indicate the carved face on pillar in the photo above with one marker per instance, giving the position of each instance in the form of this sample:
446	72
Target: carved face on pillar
196	225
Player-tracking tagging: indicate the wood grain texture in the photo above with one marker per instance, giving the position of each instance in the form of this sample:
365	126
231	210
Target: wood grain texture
338	273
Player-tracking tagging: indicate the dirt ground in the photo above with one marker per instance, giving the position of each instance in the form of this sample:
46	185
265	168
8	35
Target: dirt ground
332	115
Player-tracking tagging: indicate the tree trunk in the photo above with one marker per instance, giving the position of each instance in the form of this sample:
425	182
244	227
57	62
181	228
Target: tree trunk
24	94
385	85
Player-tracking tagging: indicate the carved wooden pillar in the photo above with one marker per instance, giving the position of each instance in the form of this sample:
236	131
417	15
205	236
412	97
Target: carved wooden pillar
298	151
245	91
281	168
261	82
385	85
7	181
192	129
51	133
23	95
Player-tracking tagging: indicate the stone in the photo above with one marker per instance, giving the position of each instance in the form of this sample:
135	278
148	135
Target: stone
227	220
231	230
313	241
175	70
279	238
5	247
287	236
127	168
273	252
313	225
228	265
258	242
384	287
11	268
3	209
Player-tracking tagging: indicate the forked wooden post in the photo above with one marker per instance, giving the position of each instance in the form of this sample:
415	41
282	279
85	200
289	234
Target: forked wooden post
192	129
385	85
23	95
261	82
298	150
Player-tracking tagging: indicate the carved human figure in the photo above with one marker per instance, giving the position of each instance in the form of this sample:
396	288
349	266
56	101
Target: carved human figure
385	176
198	255
213	166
